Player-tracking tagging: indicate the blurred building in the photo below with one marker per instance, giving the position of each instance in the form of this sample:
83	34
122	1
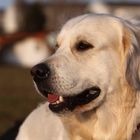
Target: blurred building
23	38
127	9
59	11
23	21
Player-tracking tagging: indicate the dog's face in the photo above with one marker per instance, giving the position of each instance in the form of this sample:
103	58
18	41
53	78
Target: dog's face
87	66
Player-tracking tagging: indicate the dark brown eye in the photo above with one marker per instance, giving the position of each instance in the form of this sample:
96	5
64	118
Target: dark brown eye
56	46
82	46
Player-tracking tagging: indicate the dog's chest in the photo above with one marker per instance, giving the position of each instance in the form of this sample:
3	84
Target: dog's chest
79	133
92	129
78	129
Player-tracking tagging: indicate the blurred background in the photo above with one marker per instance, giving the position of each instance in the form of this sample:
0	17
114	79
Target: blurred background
28	29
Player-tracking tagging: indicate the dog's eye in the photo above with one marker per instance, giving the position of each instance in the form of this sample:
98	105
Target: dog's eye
82	46
56	46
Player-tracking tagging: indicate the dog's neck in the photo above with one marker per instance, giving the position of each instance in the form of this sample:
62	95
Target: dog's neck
115	119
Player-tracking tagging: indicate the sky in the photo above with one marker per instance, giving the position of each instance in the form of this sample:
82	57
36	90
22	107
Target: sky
6	3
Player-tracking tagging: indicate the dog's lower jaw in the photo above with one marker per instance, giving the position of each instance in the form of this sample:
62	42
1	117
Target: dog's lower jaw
113	120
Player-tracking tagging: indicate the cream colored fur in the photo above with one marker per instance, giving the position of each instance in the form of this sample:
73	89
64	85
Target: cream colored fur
115	114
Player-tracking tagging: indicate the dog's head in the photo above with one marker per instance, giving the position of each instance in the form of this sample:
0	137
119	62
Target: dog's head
95	55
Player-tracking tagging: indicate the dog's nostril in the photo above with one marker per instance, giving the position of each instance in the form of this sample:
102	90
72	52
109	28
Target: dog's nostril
40	71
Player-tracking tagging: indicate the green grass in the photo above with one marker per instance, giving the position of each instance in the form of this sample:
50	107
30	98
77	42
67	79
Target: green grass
17	96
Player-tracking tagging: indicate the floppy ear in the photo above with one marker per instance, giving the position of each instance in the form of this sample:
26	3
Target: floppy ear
132	44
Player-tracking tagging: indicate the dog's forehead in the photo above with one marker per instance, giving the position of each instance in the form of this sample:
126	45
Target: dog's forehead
97	26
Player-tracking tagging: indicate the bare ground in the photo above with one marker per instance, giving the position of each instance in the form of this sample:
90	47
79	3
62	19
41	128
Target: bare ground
17	96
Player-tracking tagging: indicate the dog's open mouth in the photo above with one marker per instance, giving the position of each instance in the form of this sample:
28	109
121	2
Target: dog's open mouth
69	103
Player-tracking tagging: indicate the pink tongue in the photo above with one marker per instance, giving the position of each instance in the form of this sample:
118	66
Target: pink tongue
52	98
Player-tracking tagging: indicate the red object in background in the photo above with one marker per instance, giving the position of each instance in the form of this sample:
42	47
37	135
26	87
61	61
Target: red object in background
11	38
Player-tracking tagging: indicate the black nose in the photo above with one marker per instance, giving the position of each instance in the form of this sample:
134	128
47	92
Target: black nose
40	71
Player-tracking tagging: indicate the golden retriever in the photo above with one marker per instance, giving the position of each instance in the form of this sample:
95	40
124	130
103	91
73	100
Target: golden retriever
91	82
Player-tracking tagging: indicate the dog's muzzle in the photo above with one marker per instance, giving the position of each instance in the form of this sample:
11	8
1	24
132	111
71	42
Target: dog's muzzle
41	75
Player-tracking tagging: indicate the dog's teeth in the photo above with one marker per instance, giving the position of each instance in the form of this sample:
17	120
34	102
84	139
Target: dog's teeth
54	103
61	99
57	102
92	91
